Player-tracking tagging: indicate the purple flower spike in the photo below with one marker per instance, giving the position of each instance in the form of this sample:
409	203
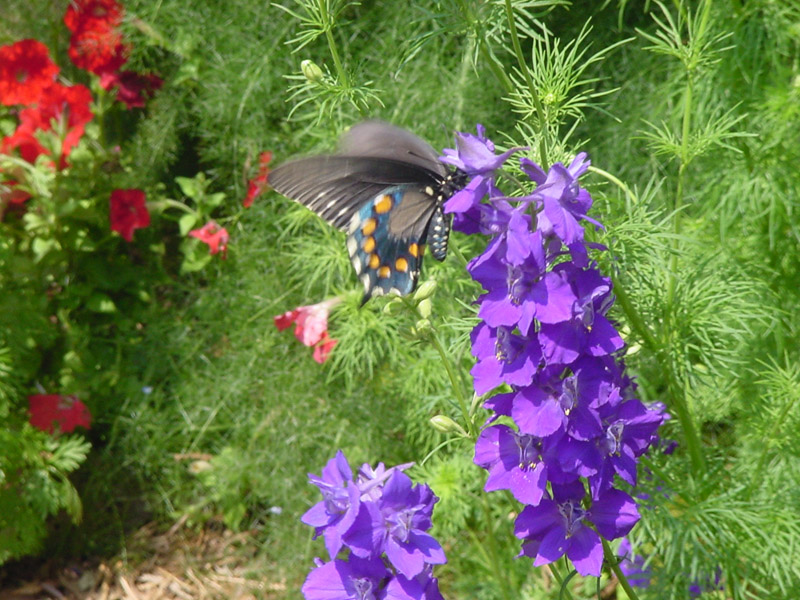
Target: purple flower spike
474	154
422	587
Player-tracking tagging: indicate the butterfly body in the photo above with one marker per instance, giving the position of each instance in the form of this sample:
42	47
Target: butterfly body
385	189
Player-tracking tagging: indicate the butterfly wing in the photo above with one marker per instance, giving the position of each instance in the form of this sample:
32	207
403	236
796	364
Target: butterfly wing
382	140
382	188
386	237
336	186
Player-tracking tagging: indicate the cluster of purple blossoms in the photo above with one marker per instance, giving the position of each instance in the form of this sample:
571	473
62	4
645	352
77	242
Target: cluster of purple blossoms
574	422
375	530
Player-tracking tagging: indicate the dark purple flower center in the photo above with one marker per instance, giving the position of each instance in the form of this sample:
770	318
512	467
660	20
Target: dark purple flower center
572	514
363	589
400	524
505	348
529	451
614	437
336	499
585	312
569	394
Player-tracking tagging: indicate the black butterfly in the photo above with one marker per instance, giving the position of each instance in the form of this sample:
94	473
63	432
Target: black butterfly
385	188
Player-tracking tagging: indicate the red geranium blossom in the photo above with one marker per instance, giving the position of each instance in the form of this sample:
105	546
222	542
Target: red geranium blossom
98	50
128	212
25	70
68	107
83	14
48	410
215	236
133	89
311	326
259	182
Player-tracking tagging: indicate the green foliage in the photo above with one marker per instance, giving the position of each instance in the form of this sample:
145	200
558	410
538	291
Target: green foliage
690	113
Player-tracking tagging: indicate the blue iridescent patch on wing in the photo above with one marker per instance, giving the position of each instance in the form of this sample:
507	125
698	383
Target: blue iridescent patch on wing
386	263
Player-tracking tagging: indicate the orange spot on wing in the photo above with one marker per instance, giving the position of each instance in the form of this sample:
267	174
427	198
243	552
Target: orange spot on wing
413	250
374	261
368	244
383	204
368	227
384	272
401	264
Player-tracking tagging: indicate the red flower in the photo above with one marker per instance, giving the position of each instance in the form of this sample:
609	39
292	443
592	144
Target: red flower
98	50
82	14
133	89
25	70
66	106
311	326
323	348
128	212
259	182
215	236
67	412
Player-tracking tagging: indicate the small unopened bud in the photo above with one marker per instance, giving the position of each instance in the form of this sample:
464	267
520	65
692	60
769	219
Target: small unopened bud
311	71
424	308
425	290
422	327
446	425
393	306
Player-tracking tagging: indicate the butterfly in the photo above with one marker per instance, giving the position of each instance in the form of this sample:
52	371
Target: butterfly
385	188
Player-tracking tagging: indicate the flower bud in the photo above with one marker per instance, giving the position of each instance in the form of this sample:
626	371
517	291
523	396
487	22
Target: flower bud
424	308
422	327
425	290
311	71
393	306
446	425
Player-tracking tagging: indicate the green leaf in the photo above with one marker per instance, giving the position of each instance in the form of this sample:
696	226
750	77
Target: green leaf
212	200
186	222
190	187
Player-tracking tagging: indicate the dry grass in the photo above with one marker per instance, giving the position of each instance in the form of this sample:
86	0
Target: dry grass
178	564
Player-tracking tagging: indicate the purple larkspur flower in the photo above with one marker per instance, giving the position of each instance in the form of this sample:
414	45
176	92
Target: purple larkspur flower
514	462
589	332
558	526
516	294
354	579
336	512
397	524
422	587
474	154
564	202
503	357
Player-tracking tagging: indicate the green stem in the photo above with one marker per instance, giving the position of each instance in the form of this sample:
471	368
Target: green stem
454	382
523	67
497	570
612	562
328	26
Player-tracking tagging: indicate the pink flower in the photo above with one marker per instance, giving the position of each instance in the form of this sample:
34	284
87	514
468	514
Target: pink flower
259	182
311	327
128	212
48	410
215	236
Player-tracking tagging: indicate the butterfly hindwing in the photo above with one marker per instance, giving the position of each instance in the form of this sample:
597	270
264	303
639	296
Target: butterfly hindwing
388	258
